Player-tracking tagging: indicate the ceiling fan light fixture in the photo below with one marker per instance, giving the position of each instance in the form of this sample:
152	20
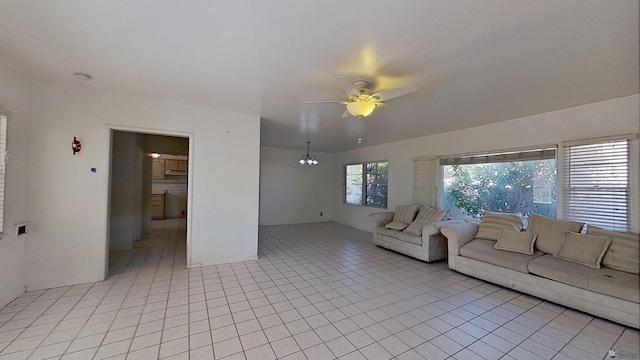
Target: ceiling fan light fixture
360	109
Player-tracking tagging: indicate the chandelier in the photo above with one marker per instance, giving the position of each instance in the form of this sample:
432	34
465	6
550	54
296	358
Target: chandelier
306	159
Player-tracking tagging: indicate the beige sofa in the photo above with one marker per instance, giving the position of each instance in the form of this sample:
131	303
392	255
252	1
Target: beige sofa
610	292
429	245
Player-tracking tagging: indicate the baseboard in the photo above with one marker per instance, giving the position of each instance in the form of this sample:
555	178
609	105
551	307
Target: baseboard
6	299
34	287
368	229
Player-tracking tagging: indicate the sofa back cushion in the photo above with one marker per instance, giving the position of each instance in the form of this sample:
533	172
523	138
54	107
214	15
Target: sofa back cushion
624	252
492	223
405	213
431	214
582	249
550	232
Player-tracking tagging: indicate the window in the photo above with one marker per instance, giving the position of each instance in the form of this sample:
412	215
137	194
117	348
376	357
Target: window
509	182
3	158
366	184
596	187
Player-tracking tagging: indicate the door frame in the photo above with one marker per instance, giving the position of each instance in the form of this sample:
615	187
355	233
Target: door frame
110	128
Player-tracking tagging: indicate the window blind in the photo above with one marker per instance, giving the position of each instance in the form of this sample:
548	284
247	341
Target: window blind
425	172
596	188
521	155
3	158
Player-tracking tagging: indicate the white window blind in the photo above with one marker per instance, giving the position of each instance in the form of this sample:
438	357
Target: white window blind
596	187
3	158
512	156
425	173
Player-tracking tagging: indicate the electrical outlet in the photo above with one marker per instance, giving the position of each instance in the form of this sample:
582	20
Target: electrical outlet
320	213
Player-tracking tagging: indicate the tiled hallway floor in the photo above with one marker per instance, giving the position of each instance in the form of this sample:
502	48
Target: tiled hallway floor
317	291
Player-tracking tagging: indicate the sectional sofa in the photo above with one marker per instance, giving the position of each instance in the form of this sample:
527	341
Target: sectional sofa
596	271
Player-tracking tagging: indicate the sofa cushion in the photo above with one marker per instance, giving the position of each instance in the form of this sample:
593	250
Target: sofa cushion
492	223
517	241
606	281
396	225
483	250
624	252
400	235
405	213
415	228
582	249
550	232
431	214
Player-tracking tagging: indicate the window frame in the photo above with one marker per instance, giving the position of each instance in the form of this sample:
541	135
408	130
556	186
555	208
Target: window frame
530	153
4	132
633	163
564	184
364	184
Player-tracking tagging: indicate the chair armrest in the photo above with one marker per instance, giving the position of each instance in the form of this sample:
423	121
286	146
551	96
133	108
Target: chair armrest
458	235
433	228
380	219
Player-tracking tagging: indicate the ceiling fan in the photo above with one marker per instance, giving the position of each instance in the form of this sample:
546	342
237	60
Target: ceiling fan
362	101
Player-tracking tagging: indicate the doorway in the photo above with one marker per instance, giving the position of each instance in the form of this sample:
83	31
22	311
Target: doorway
146	201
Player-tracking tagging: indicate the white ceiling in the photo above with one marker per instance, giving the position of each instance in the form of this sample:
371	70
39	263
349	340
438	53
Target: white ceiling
475	61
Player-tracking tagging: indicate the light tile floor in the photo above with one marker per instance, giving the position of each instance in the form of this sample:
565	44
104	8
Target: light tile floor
317	291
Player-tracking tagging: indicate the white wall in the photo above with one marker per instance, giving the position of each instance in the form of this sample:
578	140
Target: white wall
612	117
69	202
123	211
14	98
291	193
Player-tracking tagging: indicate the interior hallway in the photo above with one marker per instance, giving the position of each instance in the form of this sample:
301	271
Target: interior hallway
317	291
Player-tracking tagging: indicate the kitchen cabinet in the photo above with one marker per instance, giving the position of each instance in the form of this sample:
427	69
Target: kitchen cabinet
176	165
157	206
171	164
183	165
157	170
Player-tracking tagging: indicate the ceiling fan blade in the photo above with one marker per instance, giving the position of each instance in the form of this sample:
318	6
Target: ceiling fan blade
348	87
387	107
393	93
345	114
325	101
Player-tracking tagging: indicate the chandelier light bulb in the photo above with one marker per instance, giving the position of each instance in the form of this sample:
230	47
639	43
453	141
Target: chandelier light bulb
306	159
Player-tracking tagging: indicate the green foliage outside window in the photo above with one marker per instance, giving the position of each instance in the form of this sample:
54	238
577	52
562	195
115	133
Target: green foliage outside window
509	187
377	178
366	184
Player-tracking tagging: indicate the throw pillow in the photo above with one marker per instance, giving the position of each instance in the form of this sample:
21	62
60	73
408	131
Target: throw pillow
516	241
492	223
396	225
415	228
624	251
550	231
405	213
583	249
431	214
